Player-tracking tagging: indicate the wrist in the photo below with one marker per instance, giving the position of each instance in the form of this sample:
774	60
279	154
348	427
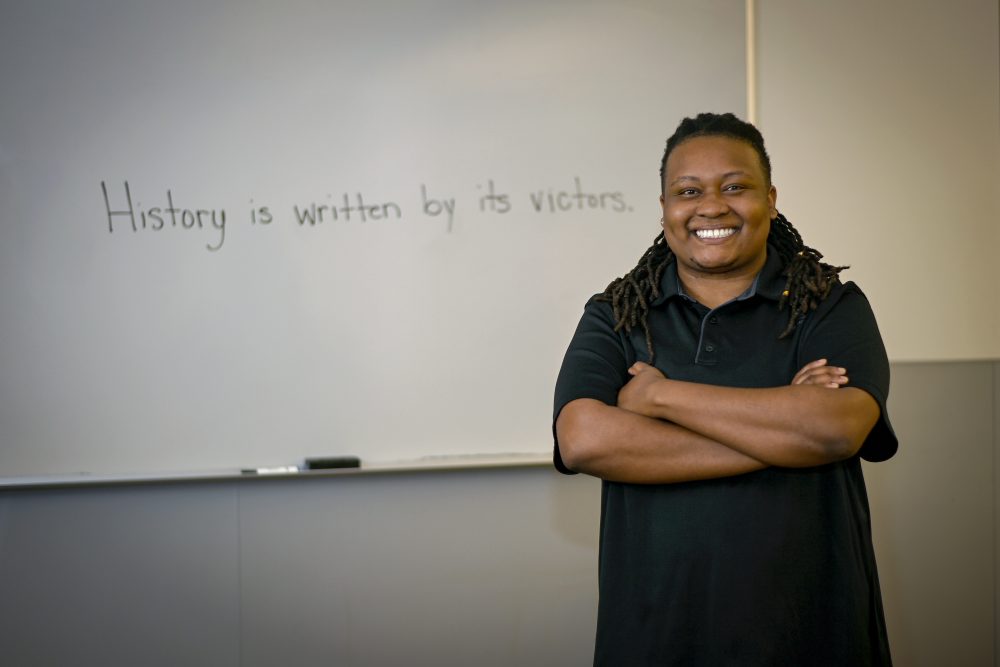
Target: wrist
658	397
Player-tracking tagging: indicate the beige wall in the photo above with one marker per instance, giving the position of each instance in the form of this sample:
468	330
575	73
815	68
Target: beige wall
883	120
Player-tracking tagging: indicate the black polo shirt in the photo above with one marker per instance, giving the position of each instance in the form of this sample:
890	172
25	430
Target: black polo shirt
774	567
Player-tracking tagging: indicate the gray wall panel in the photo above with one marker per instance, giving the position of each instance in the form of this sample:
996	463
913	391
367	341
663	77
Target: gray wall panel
932	515
484	568
125	576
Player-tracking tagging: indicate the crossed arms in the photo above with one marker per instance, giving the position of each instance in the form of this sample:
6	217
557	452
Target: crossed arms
665	430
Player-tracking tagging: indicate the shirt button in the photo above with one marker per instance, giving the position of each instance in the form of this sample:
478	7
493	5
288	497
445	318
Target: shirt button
714	319
710	348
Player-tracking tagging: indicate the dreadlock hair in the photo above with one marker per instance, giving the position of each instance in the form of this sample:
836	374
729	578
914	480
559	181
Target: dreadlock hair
809	280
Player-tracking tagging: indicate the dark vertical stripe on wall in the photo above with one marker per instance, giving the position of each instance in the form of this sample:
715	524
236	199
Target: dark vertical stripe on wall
996	511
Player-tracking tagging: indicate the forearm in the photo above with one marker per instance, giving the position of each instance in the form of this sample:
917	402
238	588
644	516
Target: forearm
622	446
793	426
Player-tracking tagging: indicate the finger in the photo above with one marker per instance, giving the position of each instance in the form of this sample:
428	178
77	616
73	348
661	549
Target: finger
837	382
803	373
638	367
836	375
824	375
800	376
827	379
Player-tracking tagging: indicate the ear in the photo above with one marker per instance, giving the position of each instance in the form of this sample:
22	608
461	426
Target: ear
663	211
772	200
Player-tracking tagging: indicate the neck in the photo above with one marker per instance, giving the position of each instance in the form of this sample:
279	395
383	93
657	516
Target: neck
713	290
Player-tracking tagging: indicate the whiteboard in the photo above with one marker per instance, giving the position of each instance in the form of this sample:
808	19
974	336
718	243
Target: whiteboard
243	234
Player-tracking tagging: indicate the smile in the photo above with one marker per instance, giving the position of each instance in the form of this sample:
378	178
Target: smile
715	233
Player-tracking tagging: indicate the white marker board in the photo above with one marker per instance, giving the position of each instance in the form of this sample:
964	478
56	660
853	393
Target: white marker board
347	229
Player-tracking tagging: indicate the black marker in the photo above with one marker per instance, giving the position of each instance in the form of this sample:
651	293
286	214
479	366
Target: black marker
332	462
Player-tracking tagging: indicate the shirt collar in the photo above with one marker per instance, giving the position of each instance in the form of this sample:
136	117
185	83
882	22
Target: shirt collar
769	283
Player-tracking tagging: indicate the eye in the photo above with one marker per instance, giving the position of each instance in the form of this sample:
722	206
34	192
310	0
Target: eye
734	187
687	192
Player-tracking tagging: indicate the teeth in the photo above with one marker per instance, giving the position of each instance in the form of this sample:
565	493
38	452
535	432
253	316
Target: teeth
715	233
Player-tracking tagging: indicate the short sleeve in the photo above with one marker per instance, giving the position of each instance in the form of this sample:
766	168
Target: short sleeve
844	332
595	366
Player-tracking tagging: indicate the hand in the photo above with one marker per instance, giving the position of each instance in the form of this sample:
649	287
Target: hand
637	394
820	374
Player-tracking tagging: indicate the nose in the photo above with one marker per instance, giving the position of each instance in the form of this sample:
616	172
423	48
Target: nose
712	204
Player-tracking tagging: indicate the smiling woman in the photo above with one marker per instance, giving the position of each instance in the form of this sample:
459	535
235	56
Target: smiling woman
728	433
809	279
717	208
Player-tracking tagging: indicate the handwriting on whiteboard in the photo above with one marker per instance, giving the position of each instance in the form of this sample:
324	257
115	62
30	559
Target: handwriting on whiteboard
125	213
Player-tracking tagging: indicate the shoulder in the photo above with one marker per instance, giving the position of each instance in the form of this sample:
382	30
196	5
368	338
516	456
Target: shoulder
600	301
841	291
598	309
846	303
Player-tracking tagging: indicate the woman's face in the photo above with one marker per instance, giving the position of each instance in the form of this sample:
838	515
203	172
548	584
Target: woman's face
717	208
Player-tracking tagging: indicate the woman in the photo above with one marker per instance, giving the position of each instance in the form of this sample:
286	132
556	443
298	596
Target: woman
725	390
